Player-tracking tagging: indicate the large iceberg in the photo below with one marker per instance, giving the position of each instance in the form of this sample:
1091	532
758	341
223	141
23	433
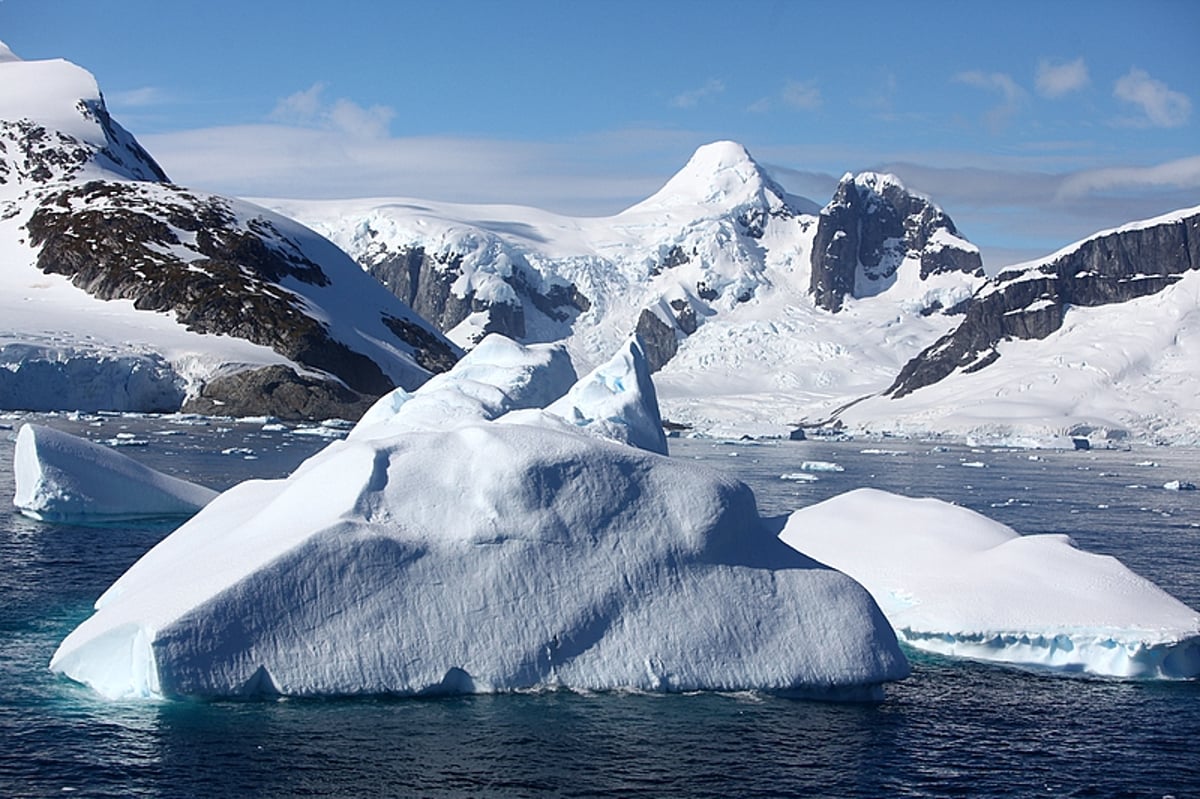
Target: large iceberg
63	478
954	582
460	540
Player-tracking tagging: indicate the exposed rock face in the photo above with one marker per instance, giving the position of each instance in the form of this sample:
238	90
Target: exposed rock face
445	289
870	228
426	282
168	249
659	342
288	395
1030	302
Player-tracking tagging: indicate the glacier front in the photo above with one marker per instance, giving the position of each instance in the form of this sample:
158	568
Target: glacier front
954	582
460	540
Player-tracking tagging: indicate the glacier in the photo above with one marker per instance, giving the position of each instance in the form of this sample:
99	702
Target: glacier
63	478
957	583
464	539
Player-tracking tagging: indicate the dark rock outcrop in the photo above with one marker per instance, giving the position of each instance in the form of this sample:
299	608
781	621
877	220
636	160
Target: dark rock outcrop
168	249
277	391
869	228
659	342
1030	303
431	284
114	242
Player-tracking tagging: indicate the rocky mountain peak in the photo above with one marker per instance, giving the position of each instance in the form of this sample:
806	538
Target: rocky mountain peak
54	127
871	227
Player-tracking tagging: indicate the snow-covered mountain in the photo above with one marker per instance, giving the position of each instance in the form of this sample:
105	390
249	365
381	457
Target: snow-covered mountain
763	312
715	271
1098	339
119	290
760	311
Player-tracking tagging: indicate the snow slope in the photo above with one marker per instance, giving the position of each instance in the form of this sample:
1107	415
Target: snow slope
157	321
470	552
955	582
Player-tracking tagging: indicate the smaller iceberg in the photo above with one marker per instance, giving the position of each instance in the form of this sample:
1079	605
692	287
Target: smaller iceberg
954	582
63	478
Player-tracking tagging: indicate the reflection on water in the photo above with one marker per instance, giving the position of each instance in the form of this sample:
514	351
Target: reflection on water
951	729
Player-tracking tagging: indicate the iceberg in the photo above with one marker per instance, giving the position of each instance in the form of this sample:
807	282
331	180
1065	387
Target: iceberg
954	582
63	478
463	539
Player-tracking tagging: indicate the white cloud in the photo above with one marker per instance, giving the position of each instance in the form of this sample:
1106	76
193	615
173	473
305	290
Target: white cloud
1161	107
1013	95
692	98
1181	174
1056	80
136	98
575	177
804	95
301	107
308	108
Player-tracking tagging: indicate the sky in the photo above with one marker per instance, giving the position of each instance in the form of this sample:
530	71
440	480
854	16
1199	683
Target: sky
1033	124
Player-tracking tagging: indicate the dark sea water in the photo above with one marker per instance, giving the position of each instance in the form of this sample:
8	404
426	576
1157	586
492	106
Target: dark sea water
952	729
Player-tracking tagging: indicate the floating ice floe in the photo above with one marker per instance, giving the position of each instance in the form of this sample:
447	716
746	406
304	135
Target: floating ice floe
821	466
954	582
460	540
63	478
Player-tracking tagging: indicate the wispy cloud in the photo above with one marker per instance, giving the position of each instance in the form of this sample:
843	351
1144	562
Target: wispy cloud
803	95
693	97
309	108
1181	174
800	95
575	176
1012	95
760	106
1161	107
1058	79
143	97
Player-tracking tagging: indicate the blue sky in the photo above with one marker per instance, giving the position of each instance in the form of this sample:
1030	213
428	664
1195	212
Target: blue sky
1032	124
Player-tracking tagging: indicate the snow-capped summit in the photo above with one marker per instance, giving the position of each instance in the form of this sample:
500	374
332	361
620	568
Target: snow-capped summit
723	177
54	126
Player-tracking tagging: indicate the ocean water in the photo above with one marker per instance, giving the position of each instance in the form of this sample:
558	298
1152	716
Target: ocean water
952	729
